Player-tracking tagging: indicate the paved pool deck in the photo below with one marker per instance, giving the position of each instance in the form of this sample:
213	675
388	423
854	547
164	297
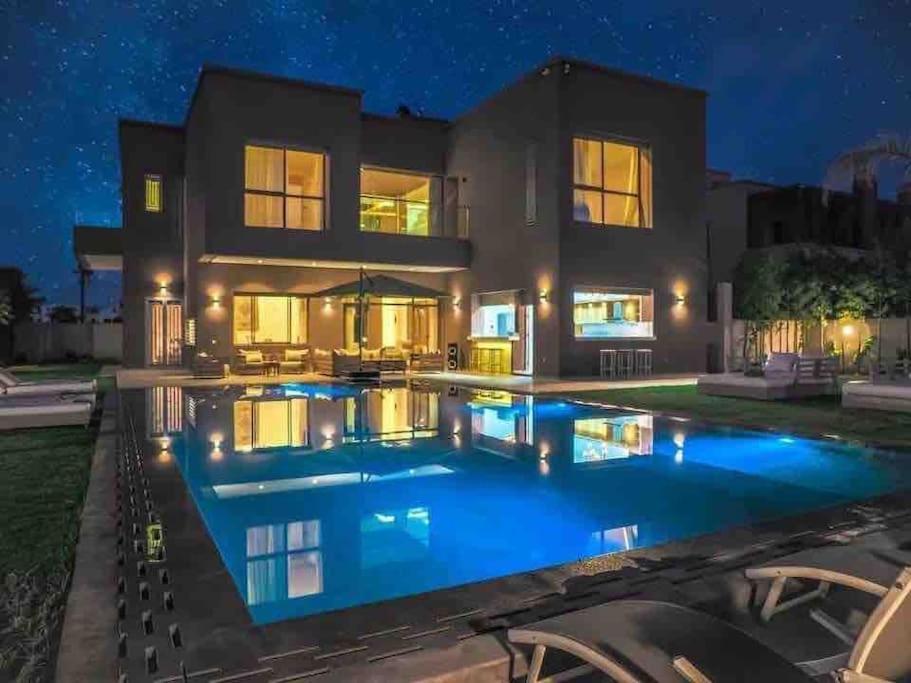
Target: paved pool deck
140	378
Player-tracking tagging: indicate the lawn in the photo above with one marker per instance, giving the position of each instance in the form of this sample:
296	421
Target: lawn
809	417
45	475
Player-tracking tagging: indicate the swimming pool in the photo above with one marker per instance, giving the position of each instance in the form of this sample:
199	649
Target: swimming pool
320	497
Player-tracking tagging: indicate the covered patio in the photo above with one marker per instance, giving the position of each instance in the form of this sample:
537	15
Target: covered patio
386	325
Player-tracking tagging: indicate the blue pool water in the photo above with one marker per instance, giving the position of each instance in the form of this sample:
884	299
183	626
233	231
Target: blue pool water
324	497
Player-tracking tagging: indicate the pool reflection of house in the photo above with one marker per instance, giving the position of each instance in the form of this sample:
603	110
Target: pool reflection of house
563	215
357	454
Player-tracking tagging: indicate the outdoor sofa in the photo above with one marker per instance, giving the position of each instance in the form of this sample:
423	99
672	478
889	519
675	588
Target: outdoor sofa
634	641
339	362
26	412
294	361
427	361
10	385
784	376
248	362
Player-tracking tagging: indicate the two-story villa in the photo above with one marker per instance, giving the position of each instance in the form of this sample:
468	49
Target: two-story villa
563	216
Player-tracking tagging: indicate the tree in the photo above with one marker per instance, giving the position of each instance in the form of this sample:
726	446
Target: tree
758	296
866	160
24	303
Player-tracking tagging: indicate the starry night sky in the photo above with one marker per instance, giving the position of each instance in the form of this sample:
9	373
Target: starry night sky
790	83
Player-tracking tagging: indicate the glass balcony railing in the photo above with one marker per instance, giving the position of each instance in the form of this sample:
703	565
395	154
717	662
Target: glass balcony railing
396	216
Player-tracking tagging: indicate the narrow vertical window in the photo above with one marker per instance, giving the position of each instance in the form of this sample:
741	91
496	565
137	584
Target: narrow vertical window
531	188
153	193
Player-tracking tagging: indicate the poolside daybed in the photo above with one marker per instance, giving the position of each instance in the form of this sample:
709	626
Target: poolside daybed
10	385
785	376
894	397
43	411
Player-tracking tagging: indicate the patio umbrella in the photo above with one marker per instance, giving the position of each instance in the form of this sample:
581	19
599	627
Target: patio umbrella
376	285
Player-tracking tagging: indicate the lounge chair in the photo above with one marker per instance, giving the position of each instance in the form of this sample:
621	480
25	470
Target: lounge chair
10	385
26	412
877	395
427	361
640	640
864	569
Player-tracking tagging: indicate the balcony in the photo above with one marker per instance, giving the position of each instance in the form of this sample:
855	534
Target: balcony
417	218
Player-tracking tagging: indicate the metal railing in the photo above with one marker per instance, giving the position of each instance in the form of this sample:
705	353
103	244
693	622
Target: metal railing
396	216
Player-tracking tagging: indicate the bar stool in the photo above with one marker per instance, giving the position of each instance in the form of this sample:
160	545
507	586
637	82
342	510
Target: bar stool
644	362
608	363
624	362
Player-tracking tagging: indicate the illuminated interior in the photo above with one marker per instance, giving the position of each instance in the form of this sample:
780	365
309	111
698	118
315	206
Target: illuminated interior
269	319
402	324
503	416
613	314
273	423
612	183
396	203
284	561
284	188
153	203
599	439
392	414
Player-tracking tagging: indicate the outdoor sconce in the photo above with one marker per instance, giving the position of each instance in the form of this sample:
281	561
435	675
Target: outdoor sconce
215	301
680	299
543	296
327	300
162	289
456	302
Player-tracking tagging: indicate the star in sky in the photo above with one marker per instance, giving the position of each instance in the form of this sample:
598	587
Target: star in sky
790	83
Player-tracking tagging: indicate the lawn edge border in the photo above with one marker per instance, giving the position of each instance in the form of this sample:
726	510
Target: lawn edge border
88	641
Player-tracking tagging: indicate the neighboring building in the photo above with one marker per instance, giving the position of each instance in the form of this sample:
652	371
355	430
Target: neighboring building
748	215
563	215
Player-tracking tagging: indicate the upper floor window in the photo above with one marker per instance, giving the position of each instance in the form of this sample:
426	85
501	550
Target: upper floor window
153	203
612	183
397	203
284	188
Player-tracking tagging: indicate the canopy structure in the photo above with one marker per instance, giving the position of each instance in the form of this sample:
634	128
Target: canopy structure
381	285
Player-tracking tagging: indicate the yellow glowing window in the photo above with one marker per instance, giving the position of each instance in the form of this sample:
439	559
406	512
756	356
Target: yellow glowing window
284	188
271	424
613	313
612	183
396	203
153	193
269	319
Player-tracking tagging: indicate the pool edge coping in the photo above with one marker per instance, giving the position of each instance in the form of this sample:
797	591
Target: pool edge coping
87	650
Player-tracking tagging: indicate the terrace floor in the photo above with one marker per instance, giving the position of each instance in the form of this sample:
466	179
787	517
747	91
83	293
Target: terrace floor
459	633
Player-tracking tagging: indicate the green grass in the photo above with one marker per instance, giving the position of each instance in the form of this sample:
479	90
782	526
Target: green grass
810	417
45	473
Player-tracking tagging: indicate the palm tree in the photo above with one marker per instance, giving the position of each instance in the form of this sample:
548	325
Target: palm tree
867	159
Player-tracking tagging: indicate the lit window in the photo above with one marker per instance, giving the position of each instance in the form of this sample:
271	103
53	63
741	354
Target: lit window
271	424
396	203
284	188
613	313
153	193
612	183
269	319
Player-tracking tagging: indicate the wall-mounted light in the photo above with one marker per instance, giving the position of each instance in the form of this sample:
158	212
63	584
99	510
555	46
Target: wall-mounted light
457	302
215	301
327	300
162	289
544	296
680	299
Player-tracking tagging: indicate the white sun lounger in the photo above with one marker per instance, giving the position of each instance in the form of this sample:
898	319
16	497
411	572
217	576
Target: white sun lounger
43	411
10	385
849	566
634	641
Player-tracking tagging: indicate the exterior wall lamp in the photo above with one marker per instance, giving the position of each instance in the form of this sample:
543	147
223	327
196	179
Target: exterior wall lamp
457	302
215	301
680	299
544	296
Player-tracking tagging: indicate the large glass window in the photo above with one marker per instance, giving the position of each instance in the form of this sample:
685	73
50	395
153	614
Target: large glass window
613	313
612	183
269	319
406	325
271	424
493	314
284	188
397	203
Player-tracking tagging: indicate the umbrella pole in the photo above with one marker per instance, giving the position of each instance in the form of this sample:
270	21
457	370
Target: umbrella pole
360	317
